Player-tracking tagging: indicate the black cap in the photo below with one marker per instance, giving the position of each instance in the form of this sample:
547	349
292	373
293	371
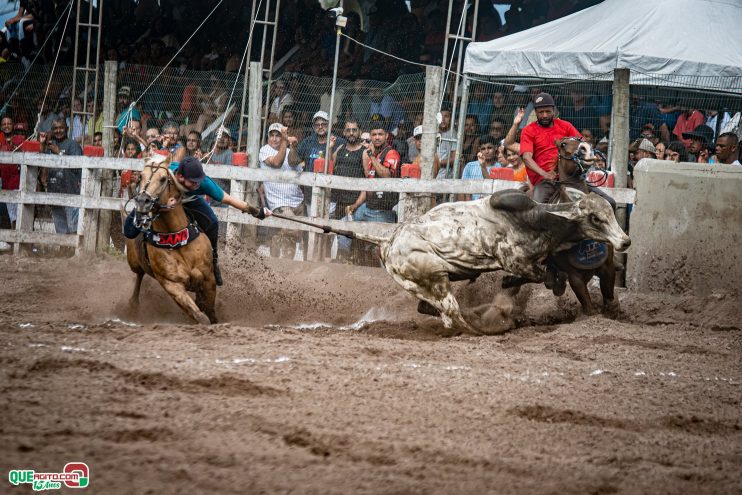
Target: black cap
192	169
543	100
377	122
702	132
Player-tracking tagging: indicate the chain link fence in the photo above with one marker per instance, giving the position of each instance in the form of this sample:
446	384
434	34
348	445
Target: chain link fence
195	103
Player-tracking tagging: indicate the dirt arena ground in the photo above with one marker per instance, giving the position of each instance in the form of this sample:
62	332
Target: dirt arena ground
323	379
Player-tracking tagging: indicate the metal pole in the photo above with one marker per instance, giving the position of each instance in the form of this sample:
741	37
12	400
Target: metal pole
460	132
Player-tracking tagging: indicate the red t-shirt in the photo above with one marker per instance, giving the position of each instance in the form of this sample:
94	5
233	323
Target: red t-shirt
687	124
10	173
540	141
391	161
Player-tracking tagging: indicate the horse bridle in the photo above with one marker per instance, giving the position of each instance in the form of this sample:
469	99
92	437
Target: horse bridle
143	222
576	158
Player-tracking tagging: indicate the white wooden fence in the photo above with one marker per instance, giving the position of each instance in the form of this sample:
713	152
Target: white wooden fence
90	200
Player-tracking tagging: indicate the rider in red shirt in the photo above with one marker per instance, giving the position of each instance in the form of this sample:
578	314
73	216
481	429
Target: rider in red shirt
538	149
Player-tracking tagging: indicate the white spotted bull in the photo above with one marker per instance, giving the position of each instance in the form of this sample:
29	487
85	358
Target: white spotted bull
507	231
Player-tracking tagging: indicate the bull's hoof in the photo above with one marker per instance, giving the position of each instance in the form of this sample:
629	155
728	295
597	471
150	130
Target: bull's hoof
425	308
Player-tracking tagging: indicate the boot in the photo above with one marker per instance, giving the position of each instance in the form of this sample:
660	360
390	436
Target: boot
217	272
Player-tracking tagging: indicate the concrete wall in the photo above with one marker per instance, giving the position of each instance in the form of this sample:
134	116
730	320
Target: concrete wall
686	228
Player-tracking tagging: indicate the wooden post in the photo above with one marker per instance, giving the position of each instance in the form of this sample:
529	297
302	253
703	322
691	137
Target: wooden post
87	221
107	176
415	204
24	223
254	105
618	146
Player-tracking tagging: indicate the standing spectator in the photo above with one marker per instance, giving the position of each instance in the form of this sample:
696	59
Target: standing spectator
727	150
447	146
515	162
687	121
222	152
193	144
314	146
288	120
538	149
480	106
93	124
712	117
10	173
471	138
125	111
381	161
385	106
282	198
281	99
316	143
578	113
701	141
170	141
497	130
62	180
75	122
480	168
349	158
676	152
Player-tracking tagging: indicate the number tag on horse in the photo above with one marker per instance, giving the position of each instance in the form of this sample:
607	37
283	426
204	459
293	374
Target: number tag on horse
588	255
172	240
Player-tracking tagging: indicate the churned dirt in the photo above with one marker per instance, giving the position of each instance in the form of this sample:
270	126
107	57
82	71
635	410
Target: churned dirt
322	378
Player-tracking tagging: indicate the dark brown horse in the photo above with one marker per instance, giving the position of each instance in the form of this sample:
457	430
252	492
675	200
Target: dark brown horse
170	249
575	156
581	263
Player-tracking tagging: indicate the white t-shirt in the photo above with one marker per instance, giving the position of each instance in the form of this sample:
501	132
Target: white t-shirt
278	194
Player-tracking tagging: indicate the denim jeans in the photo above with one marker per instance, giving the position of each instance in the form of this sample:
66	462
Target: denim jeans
365	214
65	219
198	205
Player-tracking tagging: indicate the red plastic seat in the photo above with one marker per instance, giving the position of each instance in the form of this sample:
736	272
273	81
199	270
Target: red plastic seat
411	170
502	173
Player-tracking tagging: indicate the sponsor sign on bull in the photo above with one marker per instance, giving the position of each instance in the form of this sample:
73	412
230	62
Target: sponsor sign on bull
73	475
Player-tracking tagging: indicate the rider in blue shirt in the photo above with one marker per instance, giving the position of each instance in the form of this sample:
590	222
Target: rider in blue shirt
190	174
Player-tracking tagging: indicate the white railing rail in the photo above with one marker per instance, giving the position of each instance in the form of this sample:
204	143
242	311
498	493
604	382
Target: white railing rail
90	198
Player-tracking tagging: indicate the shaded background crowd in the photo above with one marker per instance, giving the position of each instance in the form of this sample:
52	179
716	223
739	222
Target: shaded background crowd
193	108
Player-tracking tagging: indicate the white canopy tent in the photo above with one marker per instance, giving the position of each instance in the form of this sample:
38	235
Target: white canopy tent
696	39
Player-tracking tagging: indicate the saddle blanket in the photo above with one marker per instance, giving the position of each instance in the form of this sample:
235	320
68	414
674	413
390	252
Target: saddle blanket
588	254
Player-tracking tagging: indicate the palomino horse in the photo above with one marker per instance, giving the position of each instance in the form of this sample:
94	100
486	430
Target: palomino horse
170	248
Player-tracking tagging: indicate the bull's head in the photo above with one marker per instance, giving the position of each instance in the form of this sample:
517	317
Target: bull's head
594	219
155	181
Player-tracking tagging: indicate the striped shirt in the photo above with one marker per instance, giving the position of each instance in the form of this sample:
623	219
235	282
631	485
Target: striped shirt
279	194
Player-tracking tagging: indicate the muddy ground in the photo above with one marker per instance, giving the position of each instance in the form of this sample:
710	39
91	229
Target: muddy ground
323	379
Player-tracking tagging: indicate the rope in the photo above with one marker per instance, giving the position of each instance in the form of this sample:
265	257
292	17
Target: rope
210	155
51	74
41	50
484	81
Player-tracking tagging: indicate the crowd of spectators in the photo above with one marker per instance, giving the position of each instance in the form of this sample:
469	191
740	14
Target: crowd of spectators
376	132
150	32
